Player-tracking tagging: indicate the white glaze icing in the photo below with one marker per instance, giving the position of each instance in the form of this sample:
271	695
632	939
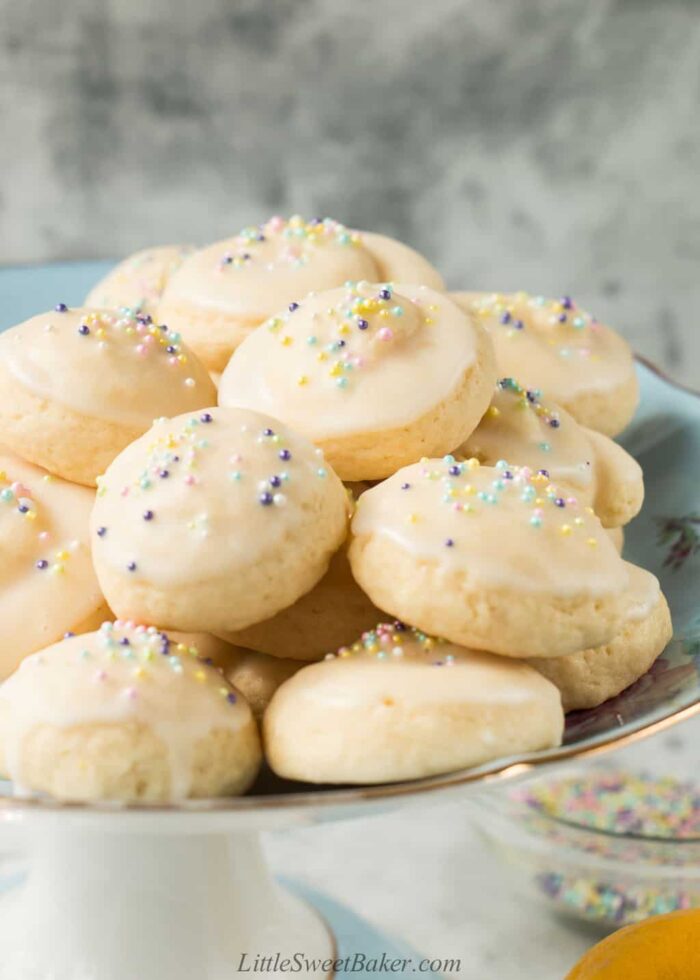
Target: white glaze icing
551	344
138	282
98	679
47	582
644	590
112	365
527	429
356	359
504	527
192	482
418	667
265	267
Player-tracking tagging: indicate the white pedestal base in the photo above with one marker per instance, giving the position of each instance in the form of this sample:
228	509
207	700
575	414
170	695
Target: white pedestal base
99	906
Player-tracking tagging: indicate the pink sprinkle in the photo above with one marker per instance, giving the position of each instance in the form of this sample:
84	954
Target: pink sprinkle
457	506
141	350
125	491
276	223
236	458
101	675
572	500
385	334
20	490
190	480
131	693
172	361
43	535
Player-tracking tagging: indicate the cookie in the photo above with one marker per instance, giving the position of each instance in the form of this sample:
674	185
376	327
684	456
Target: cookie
257	675
399	705
223	292
588	678
524	427
215	520
137	283
120	714
494	558
78	385
617	536
334	612
48	586
555	346
376	375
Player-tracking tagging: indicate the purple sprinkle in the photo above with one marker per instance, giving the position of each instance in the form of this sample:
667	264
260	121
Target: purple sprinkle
145	318
449	543
231	697
227	259
206	418
507	475
293	307
164	474
268	432
455	470
83	329
61	308
101	531
385	293
560	502
42	564
399	626
170	349
131	567
275	481
23	508
531	396
554	423
125	641
341	343
284	454
544	473
562	318
265	499
567	302
148	515
68	635
505	317
363	324
405	486
518	324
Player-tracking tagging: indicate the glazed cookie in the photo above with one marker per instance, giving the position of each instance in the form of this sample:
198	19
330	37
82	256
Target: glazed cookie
553	345
77	386
588	678
220	293
47	583
214	521
376	375
490	557
257	675
398	705
617	536
138	282
334	612
118	714
524	428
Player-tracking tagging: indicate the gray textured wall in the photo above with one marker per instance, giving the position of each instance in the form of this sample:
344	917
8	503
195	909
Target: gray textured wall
547	144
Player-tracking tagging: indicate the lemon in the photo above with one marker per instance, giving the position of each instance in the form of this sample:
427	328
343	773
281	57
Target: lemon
666	947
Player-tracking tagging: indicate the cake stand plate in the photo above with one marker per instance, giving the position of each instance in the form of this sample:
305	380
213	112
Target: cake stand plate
182	892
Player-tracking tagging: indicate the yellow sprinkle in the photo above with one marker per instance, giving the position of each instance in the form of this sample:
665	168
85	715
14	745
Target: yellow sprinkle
62	556
200	675
413	518
473	464
578	521
384	314
139	672
494	412
303	379
344	329
565	529
336	370
286	341
322	356
592	542
429	321
468	490
31	515
589	510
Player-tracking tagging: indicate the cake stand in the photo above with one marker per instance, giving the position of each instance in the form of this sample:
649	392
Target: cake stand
114	892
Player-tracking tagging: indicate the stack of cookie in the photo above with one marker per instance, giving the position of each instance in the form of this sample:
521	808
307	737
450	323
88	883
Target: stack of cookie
388	547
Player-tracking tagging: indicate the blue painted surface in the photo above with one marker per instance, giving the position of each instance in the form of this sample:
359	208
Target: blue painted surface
30	289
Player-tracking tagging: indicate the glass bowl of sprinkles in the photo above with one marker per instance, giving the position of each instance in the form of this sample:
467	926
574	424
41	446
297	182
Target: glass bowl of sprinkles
602	845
